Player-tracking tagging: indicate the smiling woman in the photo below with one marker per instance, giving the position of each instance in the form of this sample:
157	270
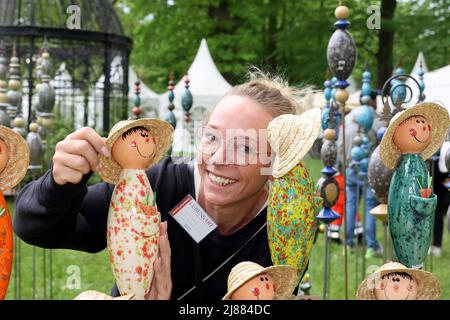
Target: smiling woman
230	180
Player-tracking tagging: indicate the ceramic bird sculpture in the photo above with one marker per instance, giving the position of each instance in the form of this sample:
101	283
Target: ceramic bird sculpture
292	208
413	136
133	217
14	160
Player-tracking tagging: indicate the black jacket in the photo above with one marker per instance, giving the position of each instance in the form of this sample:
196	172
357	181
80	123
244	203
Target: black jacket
74	217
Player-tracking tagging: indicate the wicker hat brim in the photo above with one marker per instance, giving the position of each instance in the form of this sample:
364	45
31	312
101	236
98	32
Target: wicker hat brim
428	287
284	276
19	158
433	112
162	131
304	127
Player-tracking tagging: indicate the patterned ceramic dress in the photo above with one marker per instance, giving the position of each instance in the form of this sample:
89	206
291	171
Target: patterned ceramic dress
411	217
133	232
291	222
6	246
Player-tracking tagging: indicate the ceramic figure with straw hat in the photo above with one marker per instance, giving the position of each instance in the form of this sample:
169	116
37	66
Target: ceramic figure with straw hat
292	208
250	281
413	136
394	281
14	160
133	217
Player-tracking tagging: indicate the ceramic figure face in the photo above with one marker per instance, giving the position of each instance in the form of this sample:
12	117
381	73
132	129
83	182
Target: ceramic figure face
413	135
135	149
4	155
261	287
397	286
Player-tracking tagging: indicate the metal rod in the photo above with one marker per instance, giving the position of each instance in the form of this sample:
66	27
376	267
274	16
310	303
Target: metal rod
385	242
50	257
364	176
44	273
330	246
356	242
325	269
16	240
344	209
19	249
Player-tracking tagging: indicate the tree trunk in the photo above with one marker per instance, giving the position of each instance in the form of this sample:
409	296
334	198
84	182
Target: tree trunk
271	41
385	42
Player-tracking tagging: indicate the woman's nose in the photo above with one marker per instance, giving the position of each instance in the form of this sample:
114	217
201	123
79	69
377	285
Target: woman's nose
219	156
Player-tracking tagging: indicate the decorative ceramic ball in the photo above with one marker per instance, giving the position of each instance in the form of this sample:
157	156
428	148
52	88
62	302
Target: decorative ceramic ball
380	133
357	153
364	165
34	127
342	95
19	122
329	134
46	123
322	228
342	12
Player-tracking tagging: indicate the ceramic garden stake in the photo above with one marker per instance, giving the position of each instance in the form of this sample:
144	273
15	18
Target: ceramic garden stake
250	281
394	281
413	136
14	159
133	218
291	222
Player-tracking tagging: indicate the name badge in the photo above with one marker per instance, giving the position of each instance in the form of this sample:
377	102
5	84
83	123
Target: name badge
193	218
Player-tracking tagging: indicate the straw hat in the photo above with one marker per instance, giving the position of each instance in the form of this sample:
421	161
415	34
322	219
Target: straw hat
285	278
19	158
434	113
428	287
96	295
161	130
291	137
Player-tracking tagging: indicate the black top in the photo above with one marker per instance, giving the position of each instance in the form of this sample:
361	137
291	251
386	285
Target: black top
74	217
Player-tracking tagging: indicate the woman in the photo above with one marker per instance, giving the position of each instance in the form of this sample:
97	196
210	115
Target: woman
229	180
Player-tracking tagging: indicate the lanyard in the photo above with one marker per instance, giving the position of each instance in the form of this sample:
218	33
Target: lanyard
199	283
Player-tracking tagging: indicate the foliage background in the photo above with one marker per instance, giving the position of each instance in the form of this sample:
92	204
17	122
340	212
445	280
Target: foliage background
286	36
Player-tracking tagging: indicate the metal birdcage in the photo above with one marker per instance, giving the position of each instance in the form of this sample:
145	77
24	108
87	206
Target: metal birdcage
89	76
90	60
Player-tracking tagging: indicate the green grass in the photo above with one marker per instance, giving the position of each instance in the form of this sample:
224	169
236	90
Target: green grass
95	271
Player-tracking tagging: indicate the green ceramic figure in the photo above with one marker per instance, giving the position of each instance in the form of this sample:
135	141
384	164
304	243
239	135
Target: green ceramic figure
413	136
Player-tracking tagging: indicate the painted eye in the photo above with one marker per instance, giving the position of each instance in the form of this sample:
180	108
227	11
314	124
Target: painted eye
417	121
143	134
267	279
261	278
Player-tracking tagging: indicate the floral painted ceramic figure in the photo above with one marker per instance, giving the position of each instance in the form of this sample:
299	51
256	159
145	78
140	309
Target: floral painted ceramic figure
250	281
133	218
413	136
394	281
14	159
291	222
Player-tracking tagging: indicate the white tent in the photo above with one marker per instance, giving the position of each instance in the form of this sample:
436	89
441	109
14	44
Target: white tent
207	86
437	82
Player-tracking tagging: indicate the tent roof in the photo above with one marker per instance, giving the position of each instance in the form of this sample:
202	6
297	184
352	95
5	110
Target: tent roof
205	78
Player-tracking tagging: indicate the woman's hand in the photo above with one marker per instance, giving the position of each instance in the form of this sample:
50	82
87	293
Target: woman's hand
77	155
161	288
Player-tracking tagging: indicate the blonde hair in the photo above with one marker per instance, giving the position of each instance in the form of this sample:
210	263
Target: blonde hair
273	93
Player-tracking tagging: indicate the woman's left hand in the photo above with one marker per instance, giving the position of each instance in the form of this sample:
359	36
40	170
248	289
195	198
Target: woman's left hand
161	288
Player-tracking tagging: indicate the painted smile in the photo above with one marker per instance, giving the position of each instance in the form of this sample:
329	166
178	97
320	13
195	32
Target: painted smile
143	156
419	140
